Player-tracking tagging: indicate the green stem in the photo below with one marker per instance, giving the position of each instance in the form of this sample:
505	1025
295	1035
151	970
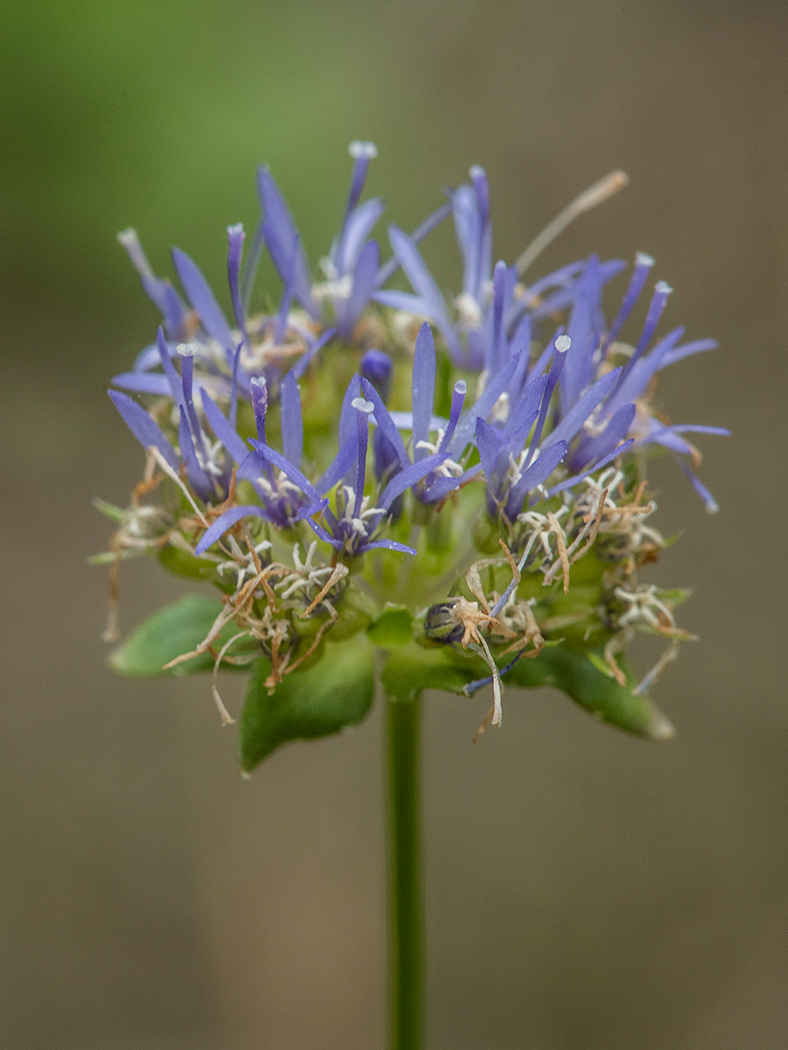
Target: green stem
406	925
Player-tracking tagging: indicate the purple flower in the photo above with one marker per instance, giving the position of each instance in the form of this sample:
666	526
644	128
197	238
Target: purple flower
493	316
623	411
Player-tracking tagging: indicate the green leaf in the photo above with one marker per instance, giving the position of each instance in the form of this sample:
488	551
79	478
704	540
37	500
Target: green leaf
329	696
392	627
575	674
408	672
173	630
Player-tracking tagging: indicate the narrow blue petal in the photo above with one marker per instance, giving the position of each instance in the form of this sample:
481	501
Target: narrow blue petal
347	414
389	545
412	304
687	350
643	264
424	285
292	423
711	504
187	381
340	466
592	448
288	468
457	402
387	271
250	265
362	153
305	360
385	422
144	429
630	386
423	388
198	479
223	430
524	409
143	383
281	232
225	522
535	475
357	229
235	237
482	407
569	483
176	385
202	299
691	428
489	448
495	348
407	478
581	410
259	389
364	280
321	532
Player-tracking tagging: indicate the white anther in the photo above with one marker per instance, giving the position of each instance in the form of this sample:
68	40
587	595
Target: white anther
562	344
362	150
363	405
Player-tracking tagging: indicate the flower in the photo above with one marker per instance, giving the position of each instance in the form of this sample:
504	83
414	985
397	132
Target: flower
450	487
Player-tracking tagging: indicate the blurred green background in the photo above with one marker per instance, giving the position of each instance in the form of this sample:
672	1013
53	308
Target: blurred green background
586	891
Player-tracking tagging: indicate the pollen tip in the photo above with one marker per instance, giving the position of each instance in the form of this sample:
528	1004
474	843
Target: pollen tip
562	344
461	387
187	349
362	150
258	382
644	259
128	236
663	288
476	171
236	230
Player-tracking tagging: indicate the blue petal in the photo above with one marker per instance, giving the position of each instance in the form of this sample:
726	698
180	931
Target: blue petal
222	428
423	388
408	477
225	522
202	299
144	429
292	424
143	383
385	422
288	468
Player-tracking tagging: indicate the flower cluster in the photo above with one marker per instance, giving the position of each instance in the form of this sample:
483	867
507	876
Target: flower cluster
469	468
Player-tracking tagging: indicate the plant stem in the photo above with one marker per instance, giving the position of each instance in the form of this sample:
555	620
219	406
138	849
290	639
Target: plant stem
406	925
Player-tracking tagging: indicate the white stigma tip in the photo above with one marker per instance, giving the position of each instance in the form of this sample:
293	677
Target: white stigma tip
187	349
642	259
562	344
477	172
663	288
236	231
363	405
128	236
461	387
363	150
258	382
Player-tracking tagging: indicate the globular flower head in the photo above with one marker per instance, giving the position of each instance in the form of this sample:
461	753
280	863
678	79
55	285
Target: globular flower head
457	476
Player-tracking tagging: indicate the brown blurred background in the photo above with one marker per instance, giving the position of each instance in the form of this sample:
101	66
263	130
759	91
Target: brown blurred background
586	891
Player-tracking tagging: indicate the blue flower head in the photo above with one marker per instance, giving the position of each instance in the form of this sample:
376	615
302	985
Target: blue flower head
457	476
